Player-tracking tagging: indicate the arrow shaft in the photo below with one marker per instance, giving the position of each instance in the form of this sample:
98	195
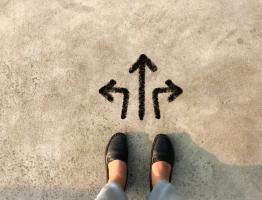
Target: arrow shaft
141	93
162	90
155	100
125	99
125	104
140	65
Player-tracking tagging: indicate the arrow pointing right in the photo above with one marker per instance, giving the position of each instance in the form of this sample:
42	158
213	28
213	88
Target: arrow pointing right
176	91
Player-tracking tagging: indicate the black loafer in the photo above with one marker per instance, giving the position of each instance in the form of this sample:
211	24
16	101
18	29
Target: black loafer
117	149
162	150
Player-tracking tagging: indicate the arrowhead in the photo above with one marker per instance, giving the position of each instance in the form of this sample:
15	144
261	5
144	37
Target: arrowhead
142	61
106	89
176	90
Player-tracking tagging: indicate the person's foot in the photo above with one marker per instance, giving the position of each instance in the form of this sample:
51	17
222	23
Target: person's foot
116	159
162	160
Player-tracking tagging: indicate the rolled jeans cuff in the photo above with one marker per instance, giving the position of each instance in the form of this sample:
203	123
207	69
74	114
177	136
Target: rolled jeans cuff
111	191
164	190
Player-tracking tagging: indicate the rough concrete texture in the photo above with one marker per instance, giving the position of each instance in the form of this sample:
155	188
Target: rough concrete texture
54	125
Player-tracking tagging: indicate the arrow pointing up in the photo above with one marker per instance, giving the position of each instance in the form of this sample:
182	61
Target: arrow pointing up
140	65
174	89
141	62
105	91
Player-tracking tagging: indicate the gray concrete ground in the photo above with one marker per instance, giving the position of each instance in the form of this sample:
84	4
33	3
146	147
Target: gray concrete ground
54	125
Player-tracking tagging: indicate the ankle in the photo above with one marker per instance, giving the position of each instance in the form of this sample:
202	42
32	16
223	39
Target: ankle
117	172
160	172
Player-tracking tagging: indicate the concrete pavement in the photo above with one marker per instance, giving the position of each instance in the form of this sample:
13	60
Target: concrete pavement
54	124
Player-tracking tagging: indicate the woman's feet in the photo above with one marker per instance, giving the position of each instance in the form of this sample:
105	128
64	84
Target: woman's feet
162	160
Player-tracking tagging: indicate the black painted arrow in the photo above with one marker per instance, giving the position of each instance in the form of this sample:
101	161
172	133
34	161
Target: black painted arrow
140	65
176	91
105	91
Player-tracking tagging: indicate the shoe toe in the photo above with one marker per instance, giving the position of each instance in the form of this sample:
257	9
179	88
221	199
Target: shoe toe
117	148
162	150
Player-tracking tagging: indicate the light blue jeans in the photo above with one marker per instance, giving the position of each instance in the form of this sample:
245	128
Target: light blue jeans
162	191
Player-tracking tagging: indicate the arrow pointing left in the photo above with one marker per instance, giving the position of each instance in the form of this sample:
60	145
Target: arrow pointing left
109	88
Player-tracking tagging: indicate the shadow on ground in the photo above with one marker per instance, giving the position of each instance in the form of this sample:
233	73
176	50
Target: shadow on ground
197	175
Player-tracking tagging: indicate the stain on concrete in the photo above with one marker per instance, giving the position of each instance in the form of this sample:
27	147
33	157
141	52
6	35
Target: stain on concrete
240	41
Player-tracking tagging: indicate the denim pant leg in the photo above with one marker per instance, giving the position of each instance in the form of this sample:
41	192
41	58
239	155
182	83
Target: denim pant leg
111	191
164	191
